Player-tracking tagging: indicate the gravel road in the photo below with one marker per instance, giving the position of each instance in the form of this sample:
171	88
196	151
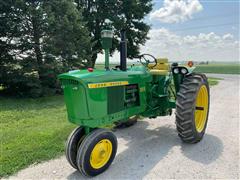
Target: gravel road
152	150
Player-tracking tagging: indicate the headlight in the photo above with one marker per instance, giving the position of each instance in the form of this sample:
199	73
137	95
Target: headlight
184	71
175	70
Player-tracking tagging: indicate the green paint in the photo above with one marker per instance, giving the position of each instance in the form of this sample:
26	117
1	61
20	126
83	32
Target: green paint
147	95
107	59
106	41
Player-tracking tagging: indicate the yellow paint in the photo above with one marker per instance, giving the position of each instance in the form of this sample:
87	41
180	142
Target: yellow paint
107	84
101	154
142	89
159	72
201	115
161	68
162	64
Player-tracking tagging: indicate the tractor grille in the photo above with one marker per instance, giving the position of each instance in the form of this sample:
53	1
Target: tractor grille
121	97
115	99
69	82
131	95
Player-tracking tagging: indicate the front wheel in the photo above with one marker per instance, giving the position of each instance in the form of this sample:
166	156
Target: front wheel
96	152
72	144
192	108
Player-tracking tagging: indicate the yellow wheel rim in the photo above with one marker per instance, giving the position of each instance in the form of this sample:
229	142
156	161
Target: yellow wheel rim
101	154
201	108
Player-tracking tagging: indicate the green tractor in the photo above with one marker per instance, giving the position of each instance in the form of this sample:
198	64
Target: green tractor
96	99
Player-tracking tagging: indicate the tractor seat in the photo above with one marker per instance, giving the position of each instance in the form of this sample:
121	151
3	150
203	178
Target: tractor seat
162	67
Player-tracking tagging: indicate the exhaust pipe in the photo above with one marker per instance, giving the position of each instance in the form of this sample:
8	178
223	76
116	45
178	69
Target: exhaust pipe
123	51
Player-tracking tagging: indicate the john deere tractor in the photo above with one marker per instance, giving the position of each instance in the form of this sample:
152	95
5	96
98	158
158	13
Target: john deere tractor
96	99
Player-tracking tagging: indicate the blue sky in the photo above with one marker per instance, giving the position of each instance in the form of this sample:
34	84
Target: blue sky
197	30
224	14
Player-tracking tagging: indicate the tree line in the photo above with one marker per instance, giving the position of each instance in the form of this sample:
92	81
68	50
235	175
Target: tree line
40	39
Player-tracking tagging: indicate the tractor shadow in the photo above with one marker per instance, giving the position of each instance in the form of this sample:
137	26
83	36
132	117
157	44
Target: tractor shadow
204	152
142	148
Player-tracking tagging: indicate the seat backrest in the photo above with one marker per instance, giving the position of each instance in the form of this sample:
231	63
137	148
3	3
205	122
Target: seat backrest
162	64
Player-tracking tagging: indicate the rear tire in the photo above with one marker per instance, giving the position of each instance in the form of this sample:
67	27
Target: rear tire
72	144
192	108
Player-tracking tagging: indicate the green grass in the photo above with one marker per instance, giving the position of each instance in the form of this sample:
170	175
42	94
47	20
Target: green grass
31	131
213	81
219	68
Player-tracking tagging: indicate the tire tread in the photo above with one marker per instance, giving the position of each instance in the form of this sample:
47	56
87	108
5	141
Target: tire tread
185	107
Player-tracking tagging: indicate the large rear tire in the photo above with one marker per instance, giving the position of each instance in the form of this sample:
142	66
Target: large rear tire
192	108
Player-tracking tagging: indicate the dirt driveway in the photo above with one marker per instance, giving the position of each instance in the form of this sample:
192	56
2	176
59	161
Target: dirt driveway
152	150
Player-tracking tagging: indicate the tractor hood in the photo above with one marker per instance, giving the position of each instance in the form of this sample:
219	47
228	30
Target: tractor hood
97	94
136	74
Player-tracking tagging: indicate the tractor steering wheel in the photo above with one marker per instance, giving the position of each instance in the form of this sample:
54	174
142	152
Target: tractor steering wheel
144	59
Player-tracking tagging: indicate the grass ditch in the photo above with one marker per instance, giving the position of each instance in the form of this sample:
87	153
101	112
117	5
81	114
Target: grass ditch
31	131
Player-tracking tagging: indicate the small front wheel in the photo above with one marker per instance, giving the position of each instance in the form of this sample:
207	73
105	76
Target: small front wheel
96	152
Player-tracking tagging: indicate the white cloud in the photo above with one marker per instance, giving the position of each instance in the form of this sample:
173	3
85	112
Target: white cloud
201	47
228	36
175	11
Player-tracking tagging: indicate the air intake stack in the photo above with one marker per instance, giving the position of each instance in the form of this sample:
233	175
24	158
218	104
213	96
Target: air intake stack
123	51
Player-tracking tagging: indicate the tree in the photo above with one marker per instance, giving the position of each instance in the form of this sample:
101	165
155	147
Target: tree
38	40
67	35
127	14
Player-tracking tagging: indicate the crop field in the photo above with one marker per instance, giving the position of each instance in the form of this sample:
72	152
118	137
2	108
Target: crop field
219	68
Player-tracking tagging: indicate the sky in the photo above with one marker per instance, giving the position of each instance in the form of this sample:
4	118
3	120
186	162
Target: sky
198	30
